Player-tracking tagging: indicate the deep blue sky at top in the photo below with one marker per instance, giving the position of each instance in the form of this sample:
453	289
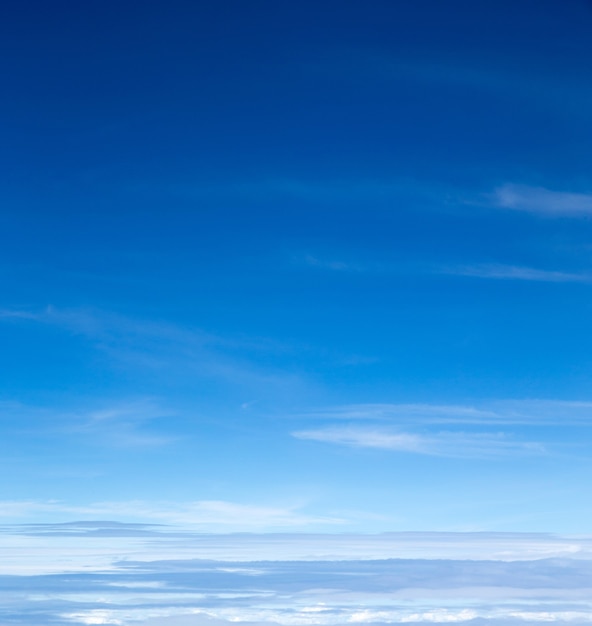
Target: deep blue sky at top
174	159
152	150
318	187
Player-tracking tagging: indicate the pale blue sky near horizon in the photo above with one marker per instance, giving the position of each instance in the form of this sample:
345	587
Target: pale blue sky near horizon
297	266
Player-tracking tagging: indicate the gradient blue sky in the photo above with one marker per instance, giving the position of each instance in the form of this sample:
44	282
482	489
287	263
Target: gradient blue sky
305	266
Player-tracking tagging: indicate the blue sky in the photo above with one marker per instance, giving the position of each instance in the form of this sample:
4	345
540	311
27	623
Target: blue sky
307	267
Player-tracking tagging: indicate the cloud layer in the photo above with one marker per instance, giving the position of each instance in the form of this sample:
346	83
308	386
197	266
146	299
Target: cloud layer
157	576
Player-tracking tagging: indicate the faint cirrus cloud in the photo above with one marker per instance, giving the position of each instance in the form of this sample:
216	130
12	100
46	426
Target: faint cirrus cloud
443	444
527	411
502	271
542	201
204	515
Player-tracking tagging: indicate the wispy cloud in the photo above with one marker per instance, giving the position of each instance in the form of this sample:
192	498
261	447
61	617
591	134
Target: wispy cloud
333	265
563	92
18	314
173	353
204	515
516	272
542	201
493	412
445	444
499	271
124	424
363	265
121	424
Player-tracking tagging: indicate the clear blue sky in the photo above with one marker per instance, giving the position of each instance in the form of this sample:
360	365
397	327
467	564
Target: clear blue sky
297	265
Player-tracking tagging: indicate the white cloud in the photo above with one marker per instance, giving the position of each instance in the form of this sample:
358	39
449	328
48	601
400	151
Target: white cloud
365	438
516	272
17	314
542	201
527	411
412	411
336	266
105	546
207	515
376	579
447	444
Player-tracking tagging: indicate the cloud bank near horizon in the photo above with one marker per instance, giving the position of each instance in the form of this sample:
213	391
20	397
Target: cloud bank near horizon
152	576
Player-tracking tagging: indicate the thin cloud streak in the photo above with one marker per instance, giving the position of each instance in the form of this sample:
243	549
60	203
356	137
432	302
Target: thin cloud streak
496	412
335	266
447	444
205	515
122	424
499	271
159	349
17	314
516	272
542	201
